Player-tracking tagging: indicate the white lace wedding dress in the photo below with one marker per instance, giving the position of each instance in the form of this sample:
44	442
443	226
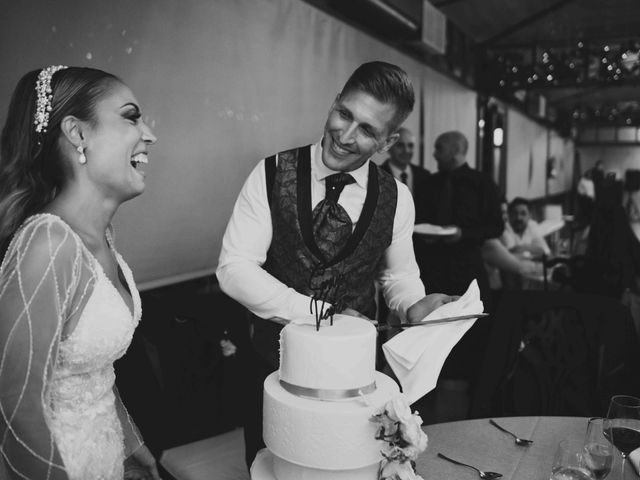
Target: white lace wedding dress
62	325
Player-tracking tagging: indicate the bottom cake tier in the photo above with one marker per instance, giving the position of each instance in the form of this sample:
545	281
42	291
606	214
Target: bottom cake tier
267	466
315	439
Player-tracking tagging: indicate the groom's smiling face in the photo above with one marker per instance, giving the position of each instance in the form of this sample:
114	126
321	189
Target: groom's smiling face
358	126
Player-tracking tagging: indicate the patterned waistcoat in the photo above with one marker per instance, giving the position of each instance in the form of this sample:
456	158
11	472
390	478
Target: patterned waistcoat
294	257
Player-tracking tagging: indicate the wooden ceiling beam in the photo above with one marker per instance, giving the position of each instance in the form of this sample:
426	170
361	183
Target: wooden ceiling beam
395	14
526	21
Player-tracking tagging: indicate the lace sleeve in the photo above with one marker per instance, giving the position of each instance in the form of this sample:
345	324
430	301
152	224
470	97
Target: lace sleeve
38	280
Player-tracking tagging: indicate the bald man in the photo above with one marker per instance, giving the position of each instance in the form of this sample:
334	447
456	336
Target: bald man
460	197
457	196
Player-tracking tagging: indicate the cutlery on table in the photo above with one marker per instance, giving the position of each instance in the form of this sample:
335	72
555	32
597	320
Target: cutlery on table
432	322
485	475
519	441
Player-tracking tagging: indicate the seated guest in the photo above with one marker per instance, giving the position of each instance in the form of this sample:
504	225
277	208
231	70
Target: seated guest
499	261
521	235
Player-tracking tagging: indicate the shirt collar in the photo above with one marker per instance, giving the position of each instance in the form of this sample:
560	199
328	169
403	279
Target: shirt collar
320	171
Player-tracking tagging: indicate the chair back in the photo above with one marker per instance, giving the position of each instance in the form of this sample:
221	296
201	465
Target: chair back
556	353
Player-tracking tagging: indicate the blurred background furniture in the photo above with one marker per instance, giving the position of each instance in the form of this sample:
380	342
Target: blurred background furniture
220	457
182	377
556	353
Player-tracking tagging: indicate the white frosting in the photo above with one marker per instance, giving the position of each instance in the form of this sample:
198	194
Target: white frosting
337	357
269	467
262	466
324	435
284	470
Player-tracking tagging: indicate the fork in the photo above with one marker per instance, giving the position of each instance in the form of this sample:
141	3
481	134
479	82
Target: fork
519	441
484	475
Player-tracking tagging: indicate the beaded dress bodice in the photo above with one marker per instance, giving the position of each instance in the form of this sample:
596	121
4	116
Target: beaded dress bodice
80	407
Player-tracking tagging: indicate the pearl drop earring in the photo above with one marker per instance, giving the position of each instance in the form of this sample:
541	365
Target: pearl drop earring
82	158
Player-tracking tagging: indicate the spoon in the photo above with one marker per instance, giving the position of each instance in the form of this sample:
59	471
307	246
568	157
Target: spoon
485	475
519	441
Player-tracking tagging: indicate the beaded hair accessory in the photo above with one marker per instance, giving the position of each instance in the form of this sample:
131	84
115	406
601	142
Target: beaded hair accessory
43	102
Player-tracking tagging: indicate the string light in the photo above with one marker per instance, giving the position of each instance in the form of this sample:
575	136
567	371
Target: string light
515	71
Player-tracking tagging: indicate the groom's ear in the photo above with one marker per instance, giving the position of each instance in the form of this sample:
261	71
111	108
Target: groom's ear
389	142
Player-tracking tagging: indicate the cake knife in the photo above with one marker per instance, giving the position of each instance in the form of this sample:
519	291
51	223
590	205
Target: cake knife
433	322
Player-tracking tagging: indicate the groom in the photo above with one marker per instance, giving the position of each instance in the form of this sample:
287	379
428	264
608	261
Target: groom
312	215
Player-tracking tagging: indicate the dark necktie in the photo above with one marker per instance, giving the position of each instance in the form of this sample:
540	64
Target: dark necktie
331	224
403	177
445	204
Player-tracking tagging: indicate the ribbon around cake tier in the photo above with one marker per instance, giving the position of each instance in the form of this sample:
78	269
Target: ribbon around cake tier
326	393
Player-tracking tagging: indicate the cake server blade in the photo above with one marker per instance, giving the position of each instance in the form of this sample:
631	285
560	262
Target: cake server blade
433	322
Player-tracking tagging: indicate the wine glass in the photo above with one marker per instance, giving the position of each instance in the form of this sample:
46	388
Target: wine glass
598	451
622	425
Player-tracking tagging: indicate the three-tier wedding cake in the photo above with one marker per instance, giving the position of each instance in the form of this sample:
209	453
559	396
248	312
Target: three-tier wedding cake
318	406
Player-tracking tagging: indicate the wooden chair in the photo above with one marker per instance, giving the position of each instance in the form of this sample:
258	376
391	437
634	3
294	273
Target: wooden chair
556	353
220	457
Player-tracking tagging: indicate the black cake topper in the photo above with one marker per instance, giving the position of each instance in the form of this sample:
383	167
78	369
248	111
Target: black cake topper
331	289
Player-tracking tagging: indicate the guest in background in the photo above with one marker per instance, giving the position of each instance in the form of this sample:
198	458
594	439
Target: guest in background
521	235
499	261
468	201
70	151
399	162
589	183
293	226
414	177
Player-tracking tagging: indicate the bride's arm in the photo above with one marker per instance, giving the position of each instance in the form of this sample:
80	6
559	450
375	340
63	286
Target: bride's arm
37	281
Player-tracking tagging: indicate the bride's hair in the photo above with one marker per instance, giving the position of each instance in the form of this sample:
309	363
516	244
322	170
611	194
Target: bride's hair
31	167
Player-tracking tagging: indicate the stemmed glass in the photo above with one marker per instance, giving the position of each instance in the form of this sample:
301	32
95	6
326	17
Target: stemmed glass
622	425
598	451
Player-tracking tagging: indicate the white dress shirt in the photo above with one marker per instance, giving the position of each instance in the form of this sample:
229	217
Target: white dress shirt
249	233
530	237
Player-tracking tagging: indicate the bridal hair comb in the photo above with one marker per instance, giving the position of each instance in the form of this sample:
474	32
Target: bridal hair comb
43	102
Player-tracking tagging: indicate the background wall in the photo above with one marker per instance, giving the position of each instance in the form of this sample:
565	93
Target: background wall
618	158
529	146
223	83
447	106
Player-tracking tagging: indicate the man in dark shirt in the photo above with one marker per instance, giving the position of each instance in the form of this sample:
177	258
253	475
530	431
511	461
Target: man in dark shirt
460	197
468	202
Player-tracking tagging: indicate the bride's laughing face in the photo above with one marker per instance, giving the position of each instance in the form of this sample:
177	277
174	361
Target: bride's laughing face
116	146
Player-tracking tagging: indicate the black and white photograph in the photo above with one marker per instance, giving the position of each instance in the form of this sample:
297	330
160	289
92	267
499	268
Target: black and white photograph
319	239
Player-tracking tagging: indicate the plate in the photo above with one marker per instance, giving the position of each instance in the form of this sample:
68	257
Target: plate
436	230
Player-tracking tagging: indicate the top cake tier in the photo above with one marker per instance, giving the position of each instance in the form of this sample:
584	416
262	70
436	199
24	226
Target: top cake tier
337	357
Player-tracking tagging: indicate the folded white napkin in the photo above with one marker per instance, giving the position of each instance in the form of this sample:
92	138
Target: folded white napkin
417	354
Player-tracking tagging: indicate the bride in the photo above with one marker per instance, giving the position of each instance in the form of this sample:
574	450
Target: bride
70	149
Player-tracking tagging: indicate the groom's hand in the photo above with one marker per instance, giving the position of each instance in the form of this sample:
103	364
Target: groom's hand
428	304
354	313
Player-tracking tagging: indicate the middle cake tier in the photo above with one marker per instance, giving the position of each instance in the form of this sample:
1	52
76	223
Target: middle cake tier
330	435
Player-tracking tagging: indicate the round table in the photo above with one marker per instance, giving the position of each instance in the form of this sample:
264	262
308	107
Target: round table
479	443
